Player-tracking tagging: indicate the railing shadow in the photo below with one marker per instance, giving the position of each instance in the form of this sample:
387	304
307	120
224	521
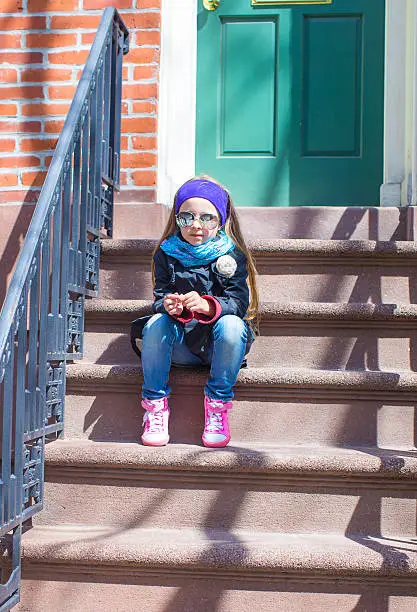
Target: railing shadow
393	556
217	526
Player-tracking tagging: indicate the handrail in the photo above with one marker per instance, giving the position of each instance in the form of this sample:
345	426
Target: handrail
52	179
42	319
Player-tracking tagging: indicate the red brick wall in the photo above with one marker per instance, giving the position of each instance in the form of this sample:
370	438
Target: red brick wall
43	45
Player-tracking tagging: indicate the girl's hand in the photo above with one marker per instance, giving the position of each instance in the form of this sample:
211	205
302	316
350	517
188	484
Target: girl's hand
194	302
173	304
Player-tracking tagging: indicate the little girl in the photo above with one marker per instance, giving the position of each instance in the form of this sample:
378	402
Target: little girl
203	308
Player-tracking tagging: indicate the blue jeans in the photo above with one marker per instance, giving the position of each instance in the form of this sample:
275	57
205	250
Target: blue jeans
163	344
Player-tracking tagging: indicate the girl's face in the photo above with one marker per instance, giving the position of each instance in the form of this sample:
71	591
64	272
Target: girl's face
196	234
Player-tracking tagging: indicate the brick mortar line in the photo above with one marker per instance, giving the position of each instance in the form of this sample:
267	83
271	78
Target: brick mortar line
81	12
17	203
80	66
5	85
84	47
52	31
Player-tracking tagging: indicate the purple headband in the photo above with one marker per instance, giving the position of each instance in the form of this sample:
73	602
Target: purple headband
202	188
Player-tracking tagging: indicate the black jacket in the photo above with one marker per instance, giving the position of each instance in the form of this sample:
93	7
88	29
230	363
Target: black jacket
232	293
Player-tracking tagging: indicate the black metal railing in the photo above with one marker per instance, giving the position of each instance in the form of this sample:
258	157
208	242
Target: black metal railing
42	319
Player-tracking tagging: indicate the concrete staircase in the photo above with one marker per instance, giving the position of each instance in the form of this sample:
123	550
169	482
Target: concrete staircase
312	506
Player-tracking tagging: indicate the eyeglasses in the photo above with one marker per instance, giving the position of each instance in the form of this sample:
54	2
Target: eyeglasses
207	220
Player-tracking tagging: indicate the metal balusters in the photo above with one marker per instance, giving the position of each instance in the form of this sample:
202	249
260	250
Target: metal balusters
54	318
31	423
65	246
107	75
99	154
66	220
113	91
20	400
92	202
7	432
93	155
42	319
84	197
75	222
76	282
55	396
107	185
117	114
9	592
32	476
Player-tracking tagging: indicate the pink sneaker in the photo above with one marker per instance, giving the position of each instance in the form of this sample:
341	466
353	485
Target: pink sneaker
155	421
216	429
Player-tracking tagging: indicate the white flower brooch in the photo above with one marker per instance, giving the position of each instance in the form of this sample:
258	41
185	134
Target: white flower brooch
226	265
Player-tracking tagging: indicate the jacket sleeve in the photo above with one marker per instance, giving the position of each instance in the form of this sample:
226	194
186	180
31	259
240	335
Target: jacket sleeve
163	281
207	319
235	296
163	286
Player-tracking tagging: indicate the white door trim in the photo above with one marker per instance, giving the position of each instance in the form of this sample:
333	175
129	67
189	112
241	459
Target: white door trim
177	99
394	102
412	192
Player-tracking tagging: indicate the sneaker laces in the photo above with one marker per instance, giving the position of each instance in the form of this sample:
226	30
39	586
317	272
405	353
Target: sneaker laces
155	421
214	422
219	404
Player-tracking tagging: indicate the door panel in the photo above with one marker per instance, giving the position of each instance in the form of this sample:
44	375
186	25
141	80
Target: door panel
331	123
290	101
248	48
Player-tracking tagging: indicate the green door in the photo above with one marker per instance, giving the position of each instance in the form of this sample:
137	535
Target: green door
290	101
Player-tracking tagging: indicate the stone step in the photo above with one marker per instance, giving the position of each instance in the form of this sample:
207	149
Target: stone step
169	592
310	335
118	312
327	222
371	491
288	270
309	222
272	405
216	568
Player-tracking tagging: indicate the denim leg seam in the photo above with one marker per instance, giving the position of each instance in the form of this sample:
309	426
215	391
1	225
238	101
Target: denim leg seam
216	335
156	368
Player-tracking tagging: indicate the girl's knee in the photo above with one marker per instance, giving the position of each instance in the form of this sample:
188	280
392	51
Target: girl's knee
159	324
231	327
156	320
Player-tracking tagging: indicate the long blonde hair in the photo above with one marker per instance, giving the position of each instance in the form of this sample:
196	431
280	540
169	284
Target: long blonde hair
232	229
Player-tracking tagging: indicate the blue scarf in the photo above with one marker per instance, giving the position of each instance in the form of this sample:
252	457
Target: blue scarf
200	255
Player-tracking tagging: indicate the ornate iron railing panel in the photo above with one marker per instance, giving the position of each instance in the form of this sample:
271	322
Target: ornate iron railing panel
42	319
